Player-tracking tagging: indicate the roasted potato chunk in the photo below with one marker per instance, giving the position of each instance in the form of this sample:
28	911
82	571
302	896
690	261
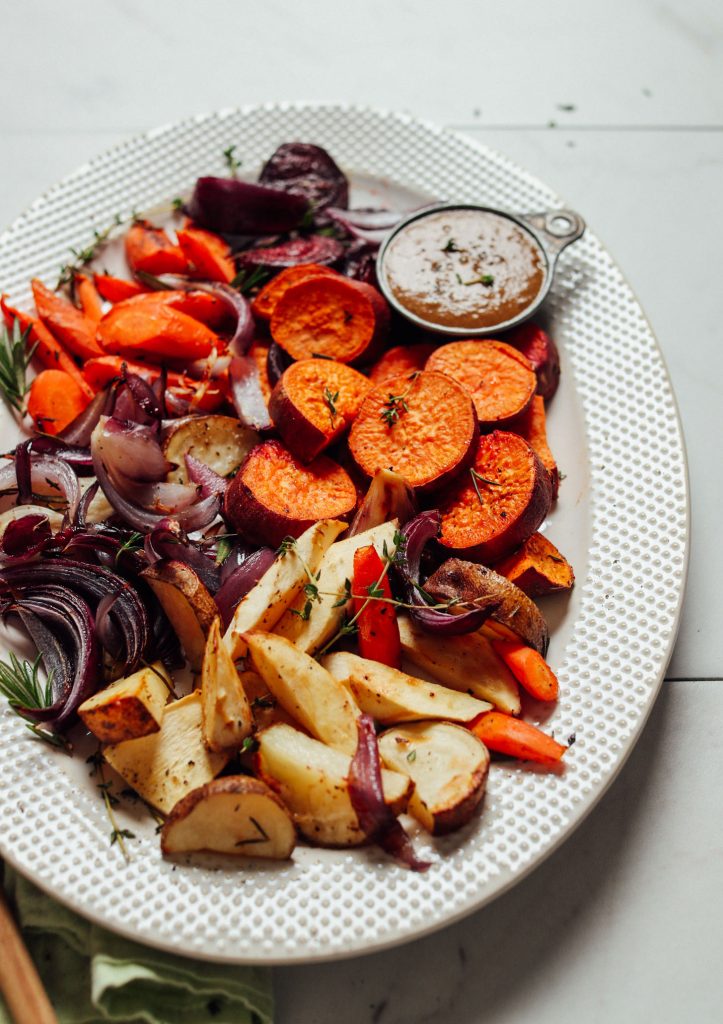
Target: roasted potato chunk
188	605
227	718
220	442
234	815
128	708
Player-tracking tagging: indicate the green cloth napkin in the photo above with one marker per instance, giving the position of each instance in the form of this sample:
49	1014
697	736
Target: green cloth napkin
93	976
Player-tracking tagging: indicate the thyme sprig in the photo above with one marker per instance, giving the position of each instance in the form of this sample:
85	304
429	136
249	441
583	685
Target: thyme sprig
478	479
395	405
311	587
105	786
22	687
14	361
331	398
451	246
130	546
231	161
82	257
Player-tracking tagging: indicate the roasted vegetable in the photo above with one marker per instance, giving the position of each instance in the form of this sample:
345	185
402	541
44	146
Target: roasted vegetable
220	442
401	359
541	350
303	169
233	207
129	707
264	303
516	738
498	378
532	425
187	603
227	718
537	568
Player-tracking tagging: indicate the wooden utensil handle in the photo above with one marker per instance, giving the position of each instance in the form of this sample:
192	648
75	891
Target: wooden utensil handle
19	981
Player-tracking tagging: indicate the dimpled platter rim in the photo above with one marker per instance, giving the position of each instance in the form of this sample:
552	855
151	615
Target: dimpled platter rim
331	904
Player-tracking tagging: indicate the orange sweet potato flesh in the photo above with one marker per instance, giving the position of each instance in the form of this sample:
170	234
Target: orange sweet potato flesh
538	568
264	304
401	359
330	316
69	325
532	425
151	250
146	327
420	425
500	379
274	495
499	503
314	402
55	400
259	352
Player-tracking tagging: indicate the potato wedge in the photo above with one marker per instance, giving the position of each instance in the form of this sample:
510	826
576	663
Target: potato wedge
166	765
227	718
234	815
306	690
520	617
448	766
279	587
220	442
188	605
466	663
311	779
129	707
265	708
390	696
336	566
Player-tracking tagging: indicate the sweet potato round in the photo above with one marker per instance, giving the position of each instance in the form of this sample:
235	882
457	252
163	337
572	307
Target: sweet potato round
265	302
330	316
431	438
274	496
314	402
514	497
499	379
401	359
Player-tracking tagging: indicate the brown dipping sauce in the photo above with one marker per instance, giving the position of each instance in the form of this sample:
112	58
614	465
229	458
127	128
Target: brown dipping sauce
464	268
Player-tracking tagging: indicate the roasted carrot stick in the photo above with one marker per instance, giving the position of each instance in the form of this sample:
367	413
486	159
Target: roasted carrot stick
529	669
55	400
209	254
88	297
378	631
115	289
508	735
151	250
147	328
48	350
68	324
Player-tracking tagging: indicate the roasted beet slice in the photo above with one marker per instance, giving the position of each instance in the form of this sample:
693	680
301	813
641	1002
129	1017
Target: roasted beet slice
316	249
233	207
309	171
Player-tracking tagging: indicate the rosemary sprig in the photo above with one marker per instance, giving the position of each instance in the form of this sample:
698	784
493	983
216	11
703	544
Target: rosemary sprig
331	398
396	404
14	362
478	479
117	835
82	257
20	684
129	546
232	162
246	280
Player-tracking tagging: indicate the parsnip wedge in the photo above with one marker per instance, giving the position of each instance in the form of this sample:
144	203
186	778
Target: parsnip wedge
265	708
390	696
129	707
227	718
279	587
337	565
448	765
234	815
167	764
311	779
467	663
305	690
188	605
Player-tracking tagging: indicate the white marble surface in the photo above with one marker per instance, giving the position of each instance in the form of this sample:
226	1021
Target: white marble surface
622	921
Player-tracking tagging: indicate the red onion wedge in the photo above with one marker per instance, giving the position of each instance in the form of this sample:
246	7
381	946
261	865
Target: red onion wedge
246	394
367	798
167	541
416	534
369	225
48	475
25	537
233	207
241	580
204	477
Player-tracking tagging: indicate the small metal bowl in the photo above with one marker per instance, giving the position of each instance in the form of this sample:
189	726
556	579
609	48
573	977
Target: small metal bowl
552	232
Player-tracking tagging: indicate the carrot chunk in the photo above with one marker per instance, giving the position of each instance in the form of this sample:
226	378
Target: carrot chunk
314	402
264	303
532	425
401	359
88	297
208	254
529	669
274	495
330	316
499	379
48	350
420	425
499	503
151	250
538	568
115	289
71	327
55	400
507	735
377	627
147	327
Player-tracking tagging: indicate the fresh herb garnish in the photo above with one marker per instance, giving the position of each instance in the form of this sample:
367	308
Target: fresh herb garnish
478	479
395	405
451	246
14	361
231	161
246	280
262	836
223	550
177	204
249	746
485	279
20	684
129	546
82	257
331	399
412	756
